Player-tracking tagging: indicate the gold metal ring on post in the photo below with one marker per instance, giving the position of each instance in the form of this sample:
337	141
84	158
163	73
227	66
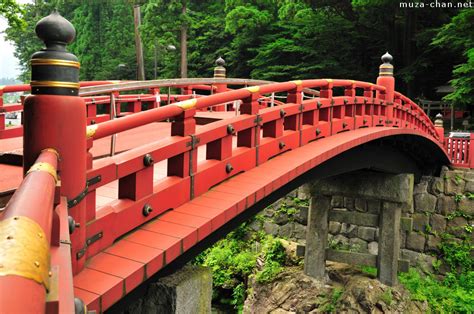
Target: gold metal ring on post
24	250
54	84
46	167
59	62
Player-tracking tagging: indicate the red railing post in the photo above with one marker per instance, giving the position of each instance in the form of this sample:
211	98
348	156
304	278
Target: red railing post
327	92
184	164
387	80
156	93
56	117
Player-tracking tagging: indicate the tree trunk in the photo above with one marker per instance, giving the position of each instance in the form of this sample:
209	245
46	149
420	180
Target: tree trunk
138	44
184	45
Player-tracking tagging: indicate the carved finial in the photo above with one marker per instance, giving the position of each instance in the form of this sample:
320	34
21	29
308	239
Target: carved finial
386	69
219	70
439	120
54	71
55	31
220	62
387	58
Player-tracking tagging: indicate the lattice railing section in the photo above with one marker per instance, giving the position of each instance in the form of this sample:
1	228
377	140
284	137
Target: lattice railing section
461	151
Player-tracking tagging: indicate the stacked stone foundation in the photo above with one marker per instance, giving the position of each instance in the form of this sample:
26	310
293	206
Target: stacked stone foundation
441	211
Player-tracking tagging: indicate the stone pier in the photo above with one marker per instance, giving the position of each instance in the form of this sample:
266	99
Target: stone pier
394	191
187	291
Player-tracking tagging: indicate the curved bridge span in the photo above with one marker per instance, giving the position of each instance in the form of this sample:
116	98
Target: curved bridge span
95	228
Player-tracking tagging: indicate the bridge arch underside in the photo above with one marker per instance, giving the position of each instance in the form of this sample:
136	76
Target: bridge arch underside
386	150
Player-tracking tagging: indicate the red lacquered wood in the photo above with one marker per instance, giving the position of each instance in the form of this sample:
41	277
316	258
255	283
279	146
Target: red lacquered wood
131	272
153	258
61	121
170	245
188	235
109	287
34	199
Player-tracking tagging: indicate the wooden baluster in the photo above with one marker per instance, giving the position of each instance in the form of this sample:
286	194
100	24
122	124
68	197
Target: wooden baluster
250	137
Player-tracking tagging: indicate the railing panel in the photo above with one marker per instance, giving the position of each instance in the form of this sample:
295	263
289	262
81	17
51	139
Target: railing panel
460	151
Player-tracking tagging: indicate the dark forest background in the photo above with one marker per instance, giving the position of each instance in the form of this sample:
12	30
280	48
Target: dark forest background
266	39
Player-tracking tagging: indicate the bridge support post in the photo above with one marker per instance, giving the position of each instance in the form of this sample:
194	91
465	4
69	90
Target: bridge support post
389	243
317	237
395	191
188	290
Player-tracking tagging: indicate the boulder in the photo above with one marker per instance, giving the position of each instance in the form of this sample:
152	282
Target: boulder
347	291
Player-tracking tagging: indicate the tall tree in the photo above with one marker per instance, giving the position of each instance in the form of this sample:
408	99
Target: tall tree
13	12
138	42
165	22
184	43
23	35
458	36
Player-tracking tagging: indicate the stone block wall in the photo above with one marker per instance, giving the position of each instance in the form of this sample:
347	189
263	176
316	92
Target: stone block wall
441	206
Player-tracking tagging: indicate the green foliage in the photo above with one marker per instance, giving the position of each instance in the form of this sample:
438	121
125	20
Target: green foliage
387	297
443	297
288	209
24	38
13	12
105	46
372	271
270	270
458	213
458	197
454	292
265	39
331	306
457	254
234	259
458	36
274	257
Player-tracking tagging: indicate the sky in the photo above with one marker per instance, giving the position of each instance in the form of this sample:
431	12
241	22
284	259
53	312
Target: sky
8	62
9	66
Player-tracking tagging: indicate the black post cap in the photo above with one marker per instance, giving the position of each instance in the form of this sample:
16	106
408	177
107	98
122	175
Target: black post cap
54	71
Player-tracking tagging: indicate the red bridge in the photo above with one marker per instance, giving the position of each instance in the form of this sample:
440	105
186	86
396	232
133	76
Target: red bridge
103	205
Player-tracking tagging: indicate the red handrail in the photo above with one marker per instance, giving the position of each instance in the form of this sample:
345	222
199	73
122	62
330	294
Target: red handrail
25	230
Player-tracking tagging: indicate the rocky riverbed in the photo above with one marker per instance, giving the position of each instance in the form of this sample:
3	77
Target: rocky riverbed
346	290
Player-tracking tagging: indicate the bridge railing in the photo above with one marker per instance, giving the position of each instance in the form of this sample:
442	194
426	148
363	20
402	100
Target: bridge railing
231	146
31	254
97	95
461	150
17	131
